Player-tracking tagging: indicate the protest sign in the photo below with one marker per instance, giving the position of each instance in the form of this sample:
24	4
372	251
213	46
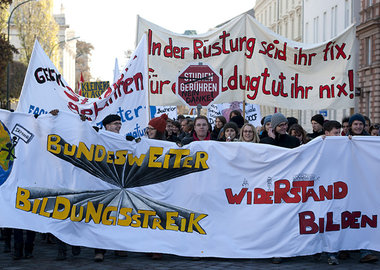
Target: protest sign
252	112
256	65
206	199
45	89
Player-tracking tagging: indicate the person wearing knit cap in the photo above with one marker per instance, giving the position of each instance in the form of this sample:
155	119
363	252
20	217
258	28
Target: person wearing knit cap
156	127
266	126
230	132
267	119
356	125
112	122
317	125
277	133
356	128
156	130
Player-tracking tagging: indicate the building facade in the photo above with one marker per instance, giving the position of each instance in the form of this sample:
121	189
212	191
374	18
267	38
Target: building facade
324	20
368	33
67	48
283	17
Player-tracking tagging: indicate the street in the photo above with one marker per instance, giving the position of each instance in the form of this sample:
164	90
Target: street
45	254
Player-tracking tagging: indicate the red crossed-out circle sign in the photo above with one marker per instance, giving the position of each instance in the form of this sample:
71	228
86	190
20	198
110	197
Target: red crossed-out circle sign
198	84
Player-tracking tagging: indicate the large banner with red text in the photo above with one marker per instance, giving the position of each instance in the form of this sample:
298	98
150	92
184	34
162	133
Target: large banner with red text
256	66
212	199
45	89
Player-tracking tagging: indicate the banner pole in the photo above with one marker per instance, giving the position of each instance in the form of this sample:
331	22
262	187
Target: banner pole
147	59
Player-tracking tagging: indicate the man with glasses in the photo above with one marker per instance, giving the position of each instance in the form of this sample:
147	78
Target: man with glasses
112	122
277	134
201	131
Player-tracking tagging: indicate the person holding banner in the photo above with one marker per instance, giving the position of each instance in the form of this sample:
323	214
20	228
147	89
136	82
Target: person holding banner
356	128
356	125
156	131
112	123
332	128
201	131
277	134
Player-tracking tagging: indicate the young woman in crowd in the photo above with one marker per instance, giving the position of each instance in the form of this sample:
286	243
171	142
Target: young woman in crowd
248	133
297	131
220	121
156	127
266	126
230	132
156	130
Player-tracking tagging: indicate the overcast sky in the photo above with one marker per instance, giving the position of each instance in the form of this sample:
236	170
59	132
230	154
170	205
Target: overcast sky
110	26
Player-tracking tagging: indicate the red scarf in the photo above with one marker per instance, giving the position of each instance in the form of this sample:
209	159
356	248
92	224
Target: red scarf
208	137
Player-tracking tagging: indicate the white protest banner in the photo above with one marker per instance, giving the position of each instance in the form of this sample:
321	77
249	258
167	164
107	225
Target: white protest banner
252	112
212	199
45	89
256	65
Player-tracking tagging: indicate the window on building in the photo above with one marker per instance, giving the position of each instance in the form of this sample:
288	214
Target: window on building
368	51
315	29
270	14
370	3
265	18
292	28
274	12
346	13
286	29
334	21
299	21
306	33
324	24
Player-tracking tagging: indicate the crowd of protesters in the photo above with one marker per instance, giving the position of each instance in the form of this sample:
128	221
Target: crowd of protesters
275	129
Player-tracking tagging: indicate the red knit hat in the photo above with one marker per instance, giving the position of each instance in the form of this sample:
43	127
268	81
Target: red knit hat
159	123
